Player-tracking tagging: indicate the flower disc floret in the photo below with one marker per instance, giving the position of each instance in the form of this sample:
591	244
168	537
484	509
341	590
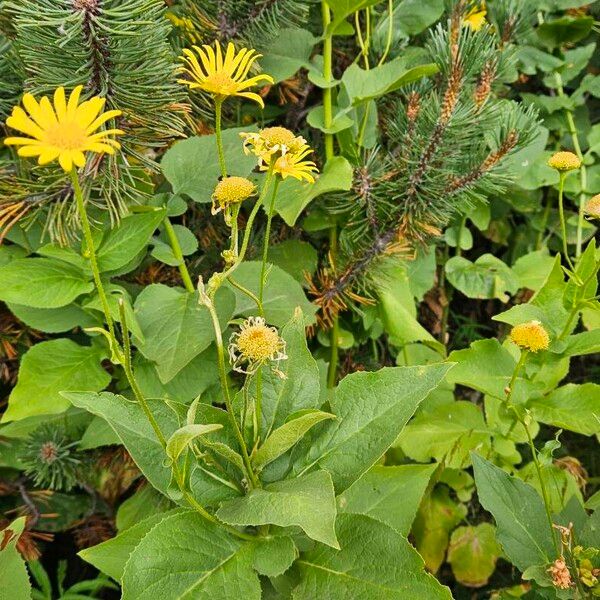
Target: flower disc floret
231	190
564	161
62	129
592	207
222	75
530	336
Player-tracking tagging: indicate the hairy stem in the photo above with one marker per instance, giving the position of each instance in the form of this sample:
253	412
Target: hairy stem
219	137
563	224
261	283
176	247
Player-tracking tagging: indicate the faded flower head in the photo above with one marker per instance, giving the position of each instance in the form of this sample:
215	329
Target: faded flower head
592	207
530	336
254	345
63	129
561	576
222	75
231	190
564	161
475	18
278	149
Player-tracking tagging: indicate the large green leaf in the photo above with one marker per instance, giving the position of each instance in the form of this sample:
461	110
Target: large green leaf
282	294
53	320
343	9
42	282
13	572
295	257
49	368
307	502
573	407
372	409
185	557
123	243
176	327
294	196
374	563
111	556
389	494
523	529
185	436
289	51
411	17
192	166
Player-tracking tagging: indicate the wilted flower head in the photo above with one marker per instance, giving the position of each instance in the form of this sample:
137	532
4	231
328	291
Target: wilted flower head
561	576
231	190
254	345
530	336
475	18
564	161
592	207
62	130
220	75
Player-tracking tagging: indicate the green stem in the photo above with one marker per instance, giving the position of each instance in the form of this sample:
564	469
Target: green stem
87	232
176	247
390	30
335	327
252	479
248	293
219	137
563	224
258	405
261	283
327	75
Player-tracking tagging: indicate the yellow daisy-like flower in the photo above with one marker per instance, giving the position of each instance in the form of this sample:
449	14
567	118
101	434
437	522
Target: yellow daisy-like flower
564	161
62	130
530	336
220	75
292	165
231	190
475	18
592	207
254	345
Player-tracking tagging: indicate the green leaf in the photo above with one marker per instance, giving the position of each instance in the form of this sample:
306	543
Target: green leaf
533	269
377	492
53	320
163	252
111	556
362	85
339	122
286	436
13	572
487	277
181	163
294	196
123	243
343	9
288	52
42	282
375	563
295	257
565	30
448	433
573	407
143	503
185	435
473	553
176	327
282	294
411	17
372	409
186	557
49	368
307	502
274	556
523	529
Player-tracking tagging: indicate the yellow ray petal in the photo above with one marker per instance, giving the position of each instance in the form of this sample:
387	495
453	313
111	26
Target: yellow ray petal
60	103
21	122
74	100
66	161
252	96
109	114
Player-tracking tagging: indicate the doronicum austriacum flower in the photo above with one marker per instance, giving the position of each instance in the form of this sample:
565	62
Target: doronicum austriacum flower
564	161
220	75
475	18
64	129
277	148
229	191
592	207
254	345
530	336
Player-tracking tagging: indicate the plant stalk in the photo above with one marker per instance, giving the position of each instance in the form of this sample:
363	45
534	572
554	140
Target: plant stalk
176	247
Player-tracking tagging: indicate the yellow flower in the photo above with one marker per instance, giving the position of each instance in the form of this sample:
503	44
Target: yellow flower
63	131
220	75
278	148
256	344
475	18
592	207
530	336
231	190
564	161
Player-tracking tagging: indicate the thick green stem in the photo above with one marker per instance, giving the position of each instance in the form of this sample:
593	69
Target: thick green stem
328	76
563	223
261	283
91	251
219	137
252	479
176	247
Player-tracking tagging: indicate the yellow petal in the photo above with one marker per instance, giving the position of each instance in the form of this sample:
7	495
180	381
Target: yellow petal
211	64
60	103
74	100
252	96
21	122
48	156
66	161
28	151
88	110
47	111
37	114
18	141
109	114
78	158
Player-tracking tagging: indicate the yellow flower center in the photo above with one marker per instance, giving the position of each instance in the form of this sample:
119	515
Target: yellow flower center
278	136
231	190
258	342
66	136
592	207
530	336
221	84
564	161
